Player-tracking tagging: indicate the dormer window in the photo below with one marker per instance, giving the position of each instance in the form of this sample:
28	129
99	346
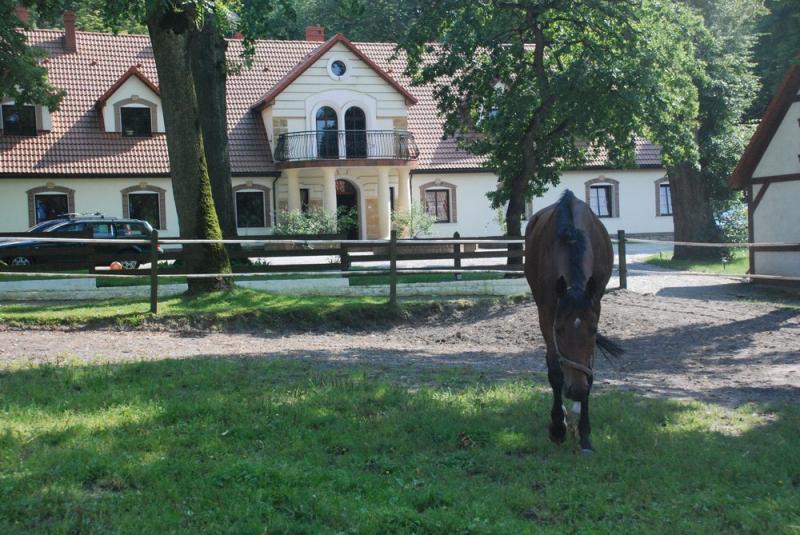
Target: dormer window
19	120
136	122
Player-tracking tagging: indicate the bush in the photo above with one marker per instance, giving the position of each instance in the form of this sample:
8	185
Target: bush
413	222
316	221
733	222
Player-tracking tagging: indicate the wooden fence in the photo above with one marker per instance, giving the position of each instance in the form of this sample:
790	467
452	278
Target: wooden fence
74	252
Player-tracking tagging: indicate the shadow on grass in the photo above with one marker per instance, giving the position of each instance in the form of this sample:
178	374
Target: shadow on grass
244	446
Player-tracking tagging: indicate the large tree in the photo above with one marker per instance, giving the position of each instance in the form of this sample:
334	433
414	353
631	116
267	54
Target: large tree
778	46
726	84
175	27
534	85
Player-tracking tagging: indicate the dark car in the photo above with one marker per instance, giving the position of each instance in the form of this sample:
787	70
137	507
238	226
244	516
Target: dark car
15	253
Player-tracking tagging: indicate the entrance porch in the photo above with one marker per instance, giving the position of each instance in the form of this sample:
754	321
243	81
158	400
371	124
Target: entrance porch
373	191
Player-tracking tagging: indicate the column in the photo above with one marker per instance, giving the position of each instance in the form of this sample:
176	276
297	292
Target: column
384	218
329	188
403	197
294	189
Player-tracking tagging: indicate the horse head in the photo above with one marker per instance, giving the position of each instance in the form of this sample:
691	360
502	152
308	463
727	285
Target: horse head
575	335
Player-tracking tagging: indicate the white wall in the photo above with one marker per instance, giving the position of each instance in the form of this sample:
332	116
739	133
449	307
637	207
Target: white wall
777	220
133	87
92	195
781	157
637	209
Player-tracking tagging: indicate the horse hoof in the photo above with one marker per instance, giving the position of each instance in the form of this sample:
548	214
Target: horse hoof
558	434
587	452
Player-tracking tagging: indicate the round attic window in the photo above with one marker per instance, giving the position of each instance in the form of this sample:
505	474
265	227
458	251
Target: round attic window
338	68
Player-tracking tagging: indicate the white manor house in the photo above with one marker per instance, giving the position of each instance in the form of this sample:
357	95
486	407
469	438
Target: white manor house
313	123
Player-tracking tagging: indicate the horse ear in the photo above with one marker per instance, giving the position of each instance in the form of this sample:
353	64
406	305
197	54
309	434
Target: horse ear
591	288
561	287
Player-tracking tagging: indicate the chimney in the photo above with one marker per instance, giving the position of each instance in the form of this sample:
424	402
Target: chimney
70	44
315	33
22	14
238	36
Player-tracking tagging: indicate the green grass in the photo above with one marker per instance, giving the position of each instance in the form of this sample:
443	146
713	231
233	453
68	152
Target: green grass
737	264
116	282
240	307
256	446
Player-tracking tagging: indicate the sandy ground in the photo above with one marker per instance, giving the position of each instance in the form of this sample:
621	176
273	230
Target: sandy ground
702	342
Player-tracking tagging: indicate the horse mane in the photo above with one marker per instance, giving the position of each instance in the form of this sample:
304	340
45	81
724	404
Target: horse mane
575	241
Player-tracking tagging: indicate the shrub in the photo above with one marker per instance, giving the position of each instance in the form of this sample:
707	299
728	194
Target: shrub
733	222
316	221
413	222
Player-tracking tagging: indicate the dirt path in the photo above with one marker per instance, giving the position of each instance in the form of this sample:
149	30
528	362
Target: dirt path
726	351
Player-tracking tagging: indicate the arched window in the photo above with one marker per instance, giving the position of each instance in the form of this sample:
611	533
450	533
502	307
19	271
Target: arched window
327	126
147	203
602	195
49	202
663	197
355	125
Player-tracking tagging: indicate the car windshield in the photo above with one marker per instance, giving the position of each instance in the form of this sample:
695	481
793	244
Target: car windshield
44	226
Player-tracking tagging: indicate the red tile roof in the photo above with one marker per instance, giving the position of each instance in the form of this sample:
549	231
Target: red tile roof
78	145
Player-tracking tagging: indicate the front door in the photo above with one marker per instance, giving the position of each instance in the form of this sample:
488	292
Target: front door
347	208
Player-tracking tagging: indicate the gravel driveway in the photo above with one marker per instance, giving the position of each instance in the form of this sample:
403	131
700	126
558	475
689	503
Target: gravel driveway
721	349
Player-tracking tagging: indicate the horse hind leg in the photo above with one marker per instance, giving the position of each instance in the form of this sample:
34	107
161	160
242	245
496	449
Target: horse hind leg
558	417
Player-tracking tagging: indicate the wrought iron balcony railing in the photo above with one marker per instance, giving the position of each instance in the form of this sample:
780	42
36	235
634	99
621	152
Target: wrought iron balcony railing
345	145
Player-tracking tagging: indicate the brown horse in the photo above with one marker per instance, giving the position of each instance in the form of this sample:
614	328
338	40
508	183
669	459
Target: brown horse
568	262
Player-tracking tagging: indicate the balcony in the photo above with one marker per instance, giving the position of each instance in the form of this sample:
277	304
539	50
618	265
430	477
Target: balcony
345	145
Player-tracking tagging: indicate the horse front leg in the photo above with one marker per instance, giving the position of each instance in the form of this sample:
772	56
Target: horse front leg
558	421
584	427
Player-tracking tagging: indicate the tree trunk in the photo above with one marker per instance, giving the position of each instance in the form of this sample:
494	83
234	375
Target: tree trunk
169	35
514	214
692	213
210	73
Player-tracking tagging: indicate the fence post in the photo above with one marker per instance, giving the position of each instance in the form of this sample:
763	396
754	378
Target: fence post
154	272
457	255
623	264
393	269
344	256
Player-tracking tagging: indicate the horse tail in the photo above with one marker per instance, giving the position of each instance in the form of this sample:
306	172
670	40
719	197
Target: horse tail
609	347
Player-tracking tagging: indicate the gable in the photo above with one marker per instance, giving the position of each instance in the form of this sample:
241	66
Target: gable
359	80
775	127
321	57
781	155
134	93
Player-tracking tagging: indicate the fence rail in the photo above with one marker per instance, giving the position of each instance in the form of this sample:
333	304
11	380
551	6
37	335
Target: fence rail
343	253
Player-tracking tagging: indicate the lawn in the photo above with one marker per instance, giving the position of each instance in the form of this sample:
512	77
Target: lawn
736	264
240	306
257	446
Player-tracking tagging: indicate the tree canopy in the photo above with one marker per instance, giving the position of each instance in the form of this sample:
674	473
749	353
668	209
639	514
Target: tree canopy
534	85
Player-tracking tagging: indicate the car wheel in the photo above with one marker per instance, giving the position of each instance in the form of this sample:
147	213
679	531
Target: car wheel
129	264
21	261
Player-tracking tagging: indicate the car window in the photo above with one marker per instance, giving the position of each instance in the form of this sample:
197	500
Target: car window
70	227
130	230
102	230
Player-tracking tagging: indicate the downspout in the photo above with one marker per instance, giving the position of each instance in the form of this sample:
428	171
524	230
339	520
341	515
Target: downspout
274	203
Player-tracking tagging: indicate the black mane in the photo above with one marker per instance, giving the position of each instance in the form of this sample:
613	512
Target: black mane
575	241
